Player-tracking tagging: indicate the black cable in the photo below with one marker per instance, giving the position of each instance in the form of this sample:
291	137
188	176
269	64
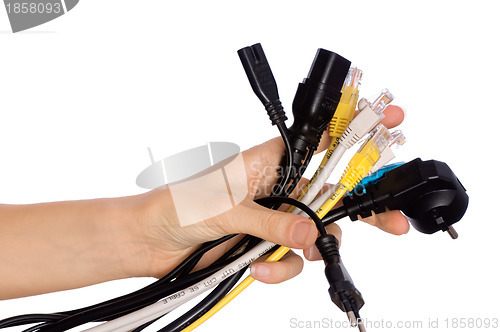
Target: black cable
264	86
28	319
184	282
285	170
295	180
244	241
335	215
212	299
123	307
52	318
204	305
195	256
298	204
37	327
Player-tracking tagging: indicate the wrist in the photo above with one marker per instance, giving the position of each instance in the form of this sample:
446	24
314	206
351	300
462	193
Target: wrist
151	244
127	229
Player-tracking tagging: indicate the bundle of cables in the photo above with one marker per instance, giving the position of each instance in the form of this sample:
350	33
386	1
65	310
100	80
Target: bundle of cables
328	95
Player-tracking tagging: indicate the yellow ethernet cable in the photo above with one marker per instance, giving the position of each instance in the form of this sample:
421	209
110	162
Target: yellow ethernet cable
359	166
370	114
341	119
347	105
275	256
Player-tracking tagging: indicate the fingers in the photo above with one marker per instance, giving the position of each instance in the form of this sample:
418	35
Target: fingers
312	253
394	116
286	229
393	222
275	272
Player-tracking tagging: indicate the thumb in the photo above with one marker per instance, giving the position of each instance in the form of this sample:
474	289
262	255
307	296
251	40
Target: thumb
283	228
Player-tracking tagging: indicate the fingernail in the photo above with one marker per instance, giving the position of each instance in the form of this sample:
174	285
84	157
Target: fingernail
404	112
260	271
301	233
313	254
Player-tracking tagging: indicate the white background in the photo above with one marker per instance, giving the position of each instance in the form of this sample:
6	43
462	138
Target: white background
83	96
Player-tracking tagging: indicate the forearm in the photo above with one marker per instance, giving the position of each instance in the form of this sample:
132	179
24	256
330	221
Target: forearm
56	246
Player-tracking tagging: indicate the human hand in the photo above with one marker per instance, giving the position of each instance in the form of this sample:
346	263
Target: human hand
166	240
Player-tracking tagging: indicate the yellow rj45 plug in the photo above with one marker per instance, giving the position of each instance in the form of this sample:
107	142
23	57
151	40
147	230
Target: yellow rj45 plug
347	105
342	117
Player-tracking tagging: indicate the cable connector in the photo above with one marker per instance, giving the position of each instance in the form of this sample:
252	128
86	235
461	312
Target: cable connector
427	192
367	156
370	114
379	104
261	79
347	105
359	166
317	97
372	178
398	139
342	290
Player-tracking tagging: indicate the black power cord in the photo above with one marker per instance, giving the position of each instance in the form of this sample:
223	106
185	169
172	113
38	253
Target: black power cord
315	102
342	290
29	319
178	270
313	107
264	85
121	308
306	209
427	192
157	288
210	300
204	305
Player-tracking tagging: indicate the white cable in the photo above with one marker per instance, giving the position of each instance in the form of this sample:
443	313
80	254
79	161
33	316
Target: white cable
160	308
386	155
365	121
318	202
323	176
359	127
